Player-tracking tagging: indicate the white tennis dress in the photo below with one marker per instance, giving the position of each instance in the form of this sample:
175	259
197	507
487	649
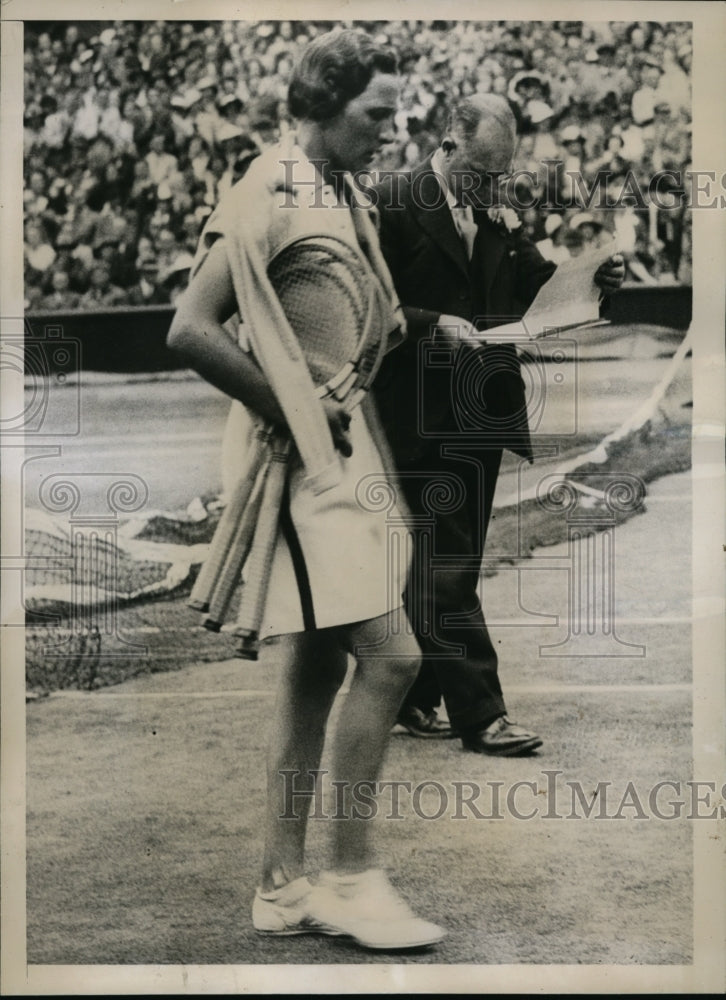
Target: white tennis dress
342	552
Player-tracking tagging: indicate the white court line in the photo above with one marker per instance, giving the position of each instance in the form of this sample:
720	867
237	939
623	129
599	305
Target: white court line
527	623
491	623
596	688
517	688
649	498
143	439
235	692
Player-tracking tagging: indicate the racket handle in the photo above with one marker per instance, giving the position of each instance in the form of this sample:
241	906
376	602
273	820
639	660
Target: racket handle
259	564
224	535
238	551
249	646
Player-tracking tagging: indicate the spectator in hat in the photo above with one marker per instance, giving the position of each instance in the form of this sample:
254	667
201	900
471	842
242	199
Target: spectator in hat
165	210
207	119
56	124
552	247
155	107
252	83
675	85
61	296
161	163
645	97
232	142
142	196
685	266
661	130
572	142
86	117
33	293
280	76
230	104
607	75
38	253
231	109
147	291
573	241
666	210
176	277
101	290
591	229
181	120
132	126
671	137
229	74
529	171
191	227
637	35
109	119
560	82
201	180
605	112
99	154
167	249
632	136
69	259
528	95
264	121
611	161
629	228
35	197
182	200
107	247
114	180
33	125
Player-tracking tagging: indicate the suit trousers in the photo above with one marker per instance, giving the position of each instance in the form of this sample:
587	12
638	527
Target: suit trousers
450	494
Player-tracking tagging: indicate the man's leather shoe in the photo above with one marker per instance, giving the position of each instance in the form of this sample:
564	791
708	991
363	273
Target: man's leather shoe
501	738
424	725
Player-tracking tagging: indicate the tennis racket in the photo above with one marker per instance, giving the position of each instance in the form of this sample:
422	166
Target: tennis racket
238	550
259	564
227	530
338	314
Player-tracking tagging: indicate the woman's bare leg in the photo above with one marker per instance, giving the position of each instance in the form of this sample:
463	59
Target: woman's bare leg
383	675
313	670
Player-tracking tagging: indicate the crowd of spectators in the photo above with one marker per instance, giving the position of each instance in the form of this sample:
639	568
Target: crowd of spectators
133	130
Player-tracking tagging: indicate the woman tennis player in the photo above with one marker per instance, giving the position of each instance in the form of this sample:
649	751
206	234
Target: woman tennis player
334	590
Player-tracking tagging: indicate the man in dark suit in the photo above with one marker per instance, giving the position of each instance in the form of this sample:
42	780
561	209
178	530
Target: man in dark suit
460	265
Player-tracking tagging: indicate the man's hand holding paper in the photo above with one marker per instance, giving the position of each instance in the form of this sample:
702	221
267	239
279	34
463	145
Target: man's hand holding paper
610	275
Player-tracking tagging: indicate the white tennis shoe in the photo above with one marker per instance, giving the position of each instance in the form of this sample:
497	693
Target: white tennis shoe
367	908
285	911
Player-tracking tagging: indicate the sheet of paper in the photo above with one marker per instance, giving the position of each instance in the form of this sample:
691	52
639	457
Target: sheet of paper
570	296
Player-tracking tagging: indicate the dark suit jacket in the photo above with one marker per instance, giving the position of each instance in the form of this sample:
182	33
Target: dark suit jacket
425	392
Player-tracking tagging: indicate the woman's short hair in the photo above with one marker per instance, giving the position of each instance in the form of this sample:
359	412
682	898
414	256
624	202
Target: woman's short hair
334	69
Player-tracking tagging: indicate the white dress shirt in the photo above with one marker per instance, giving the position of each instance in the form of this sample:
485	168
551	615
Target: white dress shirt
461	214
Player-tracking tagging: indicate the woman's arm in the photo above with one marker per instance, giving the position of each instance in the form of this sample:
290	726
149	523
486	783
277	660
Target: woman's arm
198	334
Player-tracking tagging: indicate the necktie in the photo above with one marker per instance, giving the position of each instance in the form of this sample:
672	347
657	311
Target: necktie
465	226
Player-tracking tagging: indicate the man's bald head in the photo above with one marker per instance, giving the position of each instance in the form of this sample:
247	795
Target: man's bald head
470	112
479	147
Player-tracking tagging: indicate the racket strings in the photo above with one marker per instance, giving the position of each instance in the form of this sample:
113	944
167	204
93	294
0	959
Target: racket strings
326	293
